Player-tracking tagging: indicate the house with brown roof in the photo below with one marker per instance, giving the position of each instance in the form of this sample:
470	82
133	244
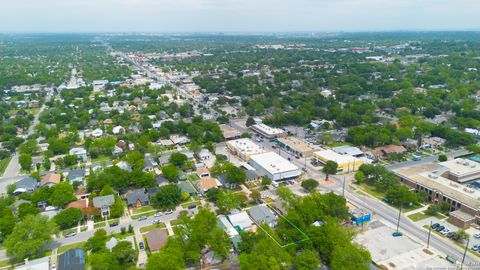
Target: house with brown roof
203	172
50	179
207	183
387	150
156	239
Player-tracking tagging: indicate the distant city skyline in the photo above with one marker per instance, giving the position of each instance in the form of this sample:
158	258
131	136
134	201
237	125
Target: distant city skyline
236	15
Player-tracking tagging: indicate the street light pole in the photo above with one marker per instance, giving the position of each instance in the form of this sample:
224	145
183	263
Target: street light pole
429	232
343	190
465	253
399	215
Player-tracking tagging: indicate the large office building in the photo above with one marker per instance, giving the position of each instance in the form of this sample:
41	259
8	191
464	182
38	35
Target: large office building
268	132
244	148
440	181
297	147
274	166
346	163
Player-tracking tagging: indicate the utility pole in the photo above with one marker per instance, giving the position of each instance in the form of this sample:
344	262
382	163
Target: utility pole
465	253
429	232
399	215
343	190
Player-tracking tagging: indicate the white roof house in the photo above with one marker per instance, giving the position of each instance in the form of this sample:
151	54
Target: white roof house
226	226
348	150
274	166
118	130
267	131
97	133
241	220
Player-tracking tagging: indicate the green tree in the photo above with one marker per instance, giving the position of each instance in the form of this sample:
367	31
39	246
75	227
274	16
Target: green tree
460	235
227	200
68	218
310	184
219	242
250	121
265	255
62	194
97	243
331	167
170	172
135	159
170	257
350	256
442	158
104	261
30	237
401	195
117	208
7	222
167	197
124	253
25	161
235	175
255	195
178	159
266	182
25	209
306	260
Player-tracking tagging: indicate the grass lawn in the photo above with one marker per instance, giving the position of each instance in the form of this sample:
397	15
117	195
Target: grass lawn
152	227
99	225
67	247
110	221
193	177
101	159
143	209
175	222
5	263
372	191
120	236
417	216
4	164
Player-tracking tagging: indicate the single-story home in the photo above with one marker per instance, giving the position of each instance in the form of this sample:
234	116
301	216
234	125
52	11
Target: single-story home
103	203
241	221
72	259
203	172
185	186
137	198
263	214
26	184
50	179
207	183
77	175
80	152
387	150
156	239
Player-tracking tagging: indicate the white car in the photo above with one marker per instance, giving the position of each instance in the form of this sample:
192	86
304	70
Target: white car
158	214
445	231
477	235
54	266
168	212
155	221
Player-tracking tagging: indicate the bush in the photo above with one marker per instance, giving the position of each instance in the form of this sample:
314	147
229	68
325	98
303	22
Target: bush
442	158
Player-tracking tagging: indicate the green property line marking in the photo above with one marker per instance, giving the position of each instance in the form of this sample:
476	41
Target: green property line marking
289	222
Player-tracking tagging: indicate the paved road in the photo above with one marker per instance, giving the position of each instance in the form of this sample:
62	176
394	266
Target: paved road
13	168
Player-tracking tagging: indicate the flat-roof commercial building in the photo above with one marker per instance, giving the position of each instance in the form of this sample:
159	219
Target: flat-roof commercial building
434	179
462	170
268	132
349	150
297	146
274	166
346	163
229	133
244	148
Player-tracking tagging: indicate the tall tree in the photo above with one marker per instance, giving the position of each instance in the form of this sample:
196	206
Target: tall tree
331	167
25	161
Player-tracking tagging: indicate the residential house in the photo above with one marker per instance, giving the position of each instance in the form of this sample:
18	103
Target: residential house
432	142
150	164
80	152
83	205
388	150
111	243
204	154
137	198
241	221
203	172
156	239
263	214
207	183
186	187
77	175
118	130
72	259
26	184
103	203
50	179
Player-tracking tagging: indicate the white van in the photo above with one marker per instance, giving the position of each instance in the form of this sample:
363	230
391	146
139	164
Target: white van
275	184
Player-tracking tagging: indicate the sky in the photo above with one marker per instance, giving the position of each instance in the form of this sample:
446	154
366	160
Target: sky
237	15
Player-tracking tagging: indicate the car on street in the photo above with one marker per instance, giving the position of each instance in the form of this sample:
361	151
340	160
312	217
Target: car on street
113	224
477	235
70	234
397	234
168	212
158	214
141	245
54	266
142	218
155	221
450	234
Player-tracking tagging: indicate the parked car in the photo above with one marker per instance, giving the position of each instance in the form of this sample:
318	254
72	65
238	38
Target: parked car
142	218
450	234
70	234
477	235
113	224
435	225
155	221
192	206
440	228
168	212
475	247
158	214
54	266
141	245
445	231
397	234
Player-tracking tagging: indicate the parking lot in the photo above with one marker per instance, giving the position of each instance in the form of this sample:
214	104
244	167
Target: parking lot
397	252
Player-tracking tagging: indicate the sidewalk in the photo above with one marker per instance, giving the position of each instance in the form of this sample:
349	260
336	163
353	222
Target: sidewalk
169	228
